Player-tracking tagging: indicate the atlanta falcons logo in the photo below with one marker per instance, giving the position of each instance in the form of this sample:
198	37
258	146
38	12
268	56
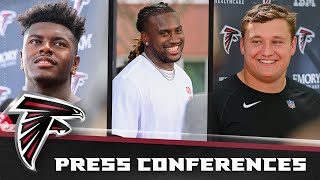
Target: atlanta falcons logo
78	80
4	93
304	36
230	35
78	5
40	116
6	18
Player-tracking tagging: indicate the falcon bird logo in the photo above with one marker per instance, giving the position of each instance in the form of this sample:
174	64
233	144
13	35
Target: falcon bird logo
304	36
230	35
6	18
78	80
78	5
40	116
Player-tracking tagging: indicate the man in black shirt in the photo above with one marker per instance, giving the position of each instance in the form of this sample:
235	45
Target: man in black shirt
49	58
51	33
260	100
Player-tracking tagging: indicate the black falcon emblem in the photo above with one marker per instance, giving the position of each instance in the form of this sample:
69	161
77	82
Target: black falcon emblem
40	116
304	36
230	35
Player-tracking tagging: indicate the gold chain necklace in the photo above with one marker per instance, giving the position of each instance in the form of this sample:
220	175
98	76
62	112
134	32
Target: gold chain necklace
169	75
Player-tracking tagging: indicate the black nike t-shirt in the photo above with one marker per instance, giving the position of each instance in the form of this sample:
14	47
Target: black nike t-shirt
241	110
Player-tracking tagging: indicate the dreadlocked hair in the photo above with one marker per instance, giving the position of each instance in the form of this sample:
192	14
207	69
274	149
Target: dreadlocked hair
59	13
138	49
143	16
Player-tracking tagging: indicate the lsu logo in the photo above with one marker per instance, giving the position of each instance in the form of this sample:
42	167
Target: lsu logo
230	35
40	116
6	18
78	80
79	4
4	93
304	36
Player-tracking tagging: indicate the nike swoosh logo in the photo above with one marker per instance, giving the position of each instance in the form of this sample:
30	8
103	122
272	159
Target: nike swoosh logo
250	105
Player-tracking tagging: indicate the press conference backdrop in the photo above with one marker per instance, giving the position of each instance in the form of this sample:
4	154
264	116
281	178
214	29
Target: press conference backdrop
90	82
227	59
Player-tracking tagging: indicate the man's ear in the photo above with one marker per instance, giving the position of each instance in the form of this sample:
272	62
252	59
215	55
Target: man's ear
144	37
21	61
293	45
242	45
75	64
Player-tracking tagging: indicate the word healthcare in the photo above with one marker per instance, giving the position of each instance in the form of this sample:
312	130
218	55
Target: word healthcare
181	164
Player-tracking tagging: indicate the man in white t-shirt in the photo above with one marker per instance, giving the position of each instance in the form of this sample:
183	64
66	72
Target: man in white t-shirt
151	93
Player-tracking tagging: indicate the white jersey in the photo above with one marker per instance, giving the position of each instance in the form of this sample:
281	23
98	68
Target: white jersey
147	105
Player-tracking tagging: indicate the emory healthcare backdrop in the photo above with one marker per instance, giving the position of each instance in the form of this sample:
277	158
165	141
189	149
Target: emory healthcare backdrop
93	50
